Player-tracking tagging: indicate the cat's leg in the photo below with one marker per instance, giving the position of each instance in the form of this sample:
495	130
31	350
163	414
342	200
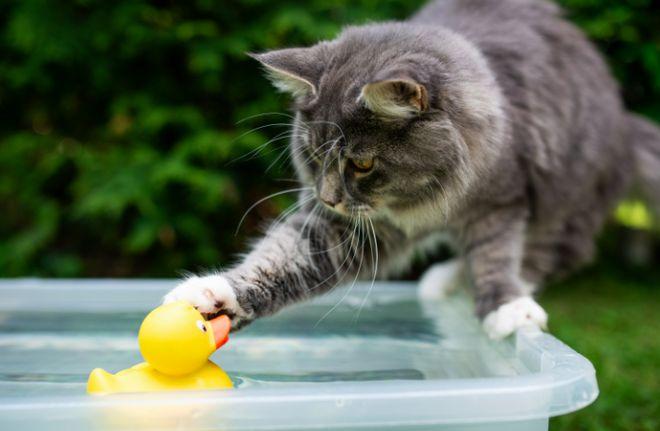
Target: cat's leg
551	253
441	279
304	256
493	251
556	260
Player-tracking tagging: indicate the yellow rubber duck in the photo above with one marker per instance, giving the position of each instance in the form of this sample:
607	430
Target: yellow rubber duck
176	342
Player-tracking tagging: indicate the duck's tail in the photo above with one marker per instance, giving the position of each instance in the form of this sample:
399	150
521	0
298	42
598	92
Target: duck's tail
100	382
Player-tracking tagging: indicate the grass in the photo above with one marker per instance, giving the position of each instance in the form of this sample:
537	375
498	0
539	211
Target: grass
611	315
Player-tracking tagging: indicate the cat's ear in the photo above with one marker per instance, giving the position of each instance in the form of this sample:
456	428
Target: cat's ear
395	98
292	70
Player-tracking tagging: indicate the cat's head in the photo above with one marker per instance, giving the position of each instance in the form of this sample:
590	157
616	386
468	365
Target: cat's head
389	118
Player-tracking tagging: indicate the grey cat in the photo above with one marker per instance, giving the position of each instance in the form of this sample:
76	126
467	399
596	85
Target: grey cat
494	125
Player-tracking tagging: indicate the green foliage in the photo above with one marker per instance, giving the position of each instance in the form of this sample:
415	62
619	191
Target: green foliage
634	214
121	120
119	127
628	32
610	315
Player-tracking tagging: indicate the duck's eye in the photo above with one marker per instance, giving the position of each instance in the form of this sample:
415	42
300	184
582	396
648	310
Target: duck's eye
363	165
201	325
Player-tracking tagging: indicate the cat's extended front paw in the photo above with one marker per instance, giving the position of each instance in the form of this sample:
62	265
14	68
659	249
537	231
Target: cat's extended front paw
211	295
513	315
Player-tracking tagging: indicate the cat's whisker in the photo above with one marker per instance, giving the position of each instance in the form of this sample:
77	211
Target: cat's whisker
265	126
348	291
349	254
290	129
361	245
263	114
285	135
309	217
283	149
282	153
332	123
326	143
365	243
308	159
280	136
331	143
295	207
339	268
341	243
374	255
287	157
297	189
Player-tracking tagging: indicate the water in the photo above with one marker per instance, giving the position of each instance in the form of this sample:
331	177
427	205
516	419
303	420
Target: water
51	352
394	363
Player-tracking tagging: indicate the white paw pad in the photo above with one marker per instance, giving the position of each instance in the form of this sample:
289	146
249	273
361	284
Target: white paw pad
440	280
519	313
208	294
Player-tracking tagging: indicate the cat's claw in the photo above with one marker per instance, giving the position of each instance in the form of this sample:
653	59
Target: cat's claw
211	295
519	313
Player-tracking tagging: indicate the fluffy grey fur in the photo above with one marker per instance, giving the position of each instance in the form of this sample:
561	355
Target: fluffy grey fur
494	123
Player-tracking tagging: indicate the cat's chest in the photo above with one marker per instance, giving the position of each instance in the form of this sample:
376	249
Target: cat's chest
422	222
420	241
399	254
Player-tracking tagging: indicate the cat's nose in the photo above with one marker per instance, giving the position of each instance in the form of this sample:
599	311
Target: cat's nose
329	196
329	192
330	202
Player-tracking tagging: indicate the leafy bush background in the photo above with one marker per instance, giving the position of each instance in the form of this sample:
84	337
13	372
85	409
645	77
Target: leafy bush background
119	121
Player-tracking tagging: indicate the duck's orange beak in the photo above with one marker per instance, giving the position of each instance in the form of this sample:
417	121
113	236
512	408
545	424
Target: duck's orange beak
221	326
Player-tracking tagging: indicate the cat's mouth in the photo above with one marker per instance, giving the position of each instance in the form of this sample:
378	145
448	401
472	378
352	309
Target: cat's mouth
349	208
354	209
362	209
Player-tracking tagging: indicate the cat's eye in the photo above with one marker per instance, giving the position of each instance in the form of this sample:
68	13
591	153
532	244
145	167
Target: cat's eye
363	165
201	326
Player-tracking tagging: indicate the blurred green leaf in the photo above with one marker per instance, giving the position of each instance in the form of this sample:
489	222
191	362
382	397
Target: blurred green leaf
634	214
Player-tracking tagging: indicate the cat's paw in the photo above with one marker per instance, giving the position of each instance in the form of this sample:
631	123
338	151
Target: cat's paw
440	279
211	295
518	313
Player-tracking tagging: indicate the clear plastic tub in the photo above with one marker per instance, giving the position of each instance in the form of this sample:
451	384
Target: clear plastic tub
387	363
